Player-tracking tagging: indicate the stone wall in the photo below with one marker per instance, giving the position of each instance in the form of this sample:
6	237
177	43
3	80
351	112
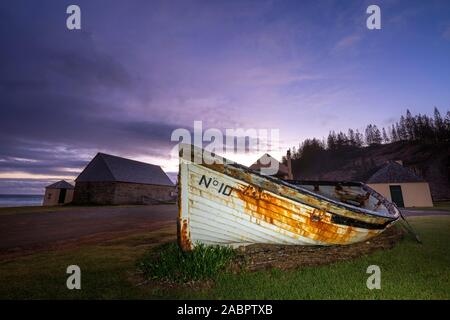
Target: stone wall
94	193
133	193
114	193
51	197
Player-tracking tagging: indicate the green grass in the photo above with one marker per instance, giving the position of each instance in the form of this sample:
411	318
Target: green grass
437	206
172	264
409	271
107	270
442	204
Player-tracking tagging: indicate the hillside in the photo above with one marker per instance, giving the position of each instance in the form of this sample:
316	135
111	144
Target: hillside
430	161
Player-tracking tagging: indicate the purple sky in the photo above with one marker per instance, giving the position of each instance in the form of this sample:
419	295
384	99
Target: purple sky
139	69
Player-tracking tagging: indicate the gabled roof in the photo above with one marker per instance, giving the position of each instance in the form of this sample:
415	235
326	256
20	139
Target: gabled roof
394	172
62	184
108	168
264	162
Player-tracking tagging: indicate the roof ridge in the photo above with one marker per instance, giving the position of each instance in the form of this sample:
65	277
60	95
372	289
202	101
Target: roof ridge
60	185
106	164
105	167
395	173
268	155
127	159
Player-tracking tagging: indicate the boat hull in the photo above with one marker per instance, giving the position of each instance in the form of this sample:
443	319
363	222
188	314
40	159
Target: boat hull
225	205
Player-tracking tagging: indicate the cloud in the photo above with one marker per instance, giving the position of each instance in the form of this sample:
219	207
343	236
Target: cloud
64	99
24	186
90	70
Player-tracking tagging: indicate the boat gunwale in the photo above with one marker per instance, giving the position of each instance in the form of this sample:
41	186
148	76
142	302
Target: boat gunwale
390	206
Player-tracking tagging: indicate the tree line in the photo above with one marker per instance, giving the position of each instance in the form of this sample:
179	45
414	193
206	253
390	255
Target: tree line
419	128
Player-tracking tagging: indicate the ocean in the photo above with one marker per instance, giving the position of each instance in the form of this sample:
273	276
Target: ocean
20	200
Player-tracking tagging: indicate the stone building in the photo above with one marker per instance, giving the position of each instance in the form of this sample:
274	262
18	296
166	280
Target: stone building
112	180
58	193
401	185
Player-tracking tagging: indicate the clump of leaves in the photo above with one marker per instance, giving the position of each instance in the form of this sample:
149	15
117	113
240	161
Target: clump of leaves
170	263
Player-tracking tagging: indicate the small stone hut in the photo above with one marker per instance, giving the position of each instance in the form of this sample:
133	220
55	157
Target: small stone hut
58	193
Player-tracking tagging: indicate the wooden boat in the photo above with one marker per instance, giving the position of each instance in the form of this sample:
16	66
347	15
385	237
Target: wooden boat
224	203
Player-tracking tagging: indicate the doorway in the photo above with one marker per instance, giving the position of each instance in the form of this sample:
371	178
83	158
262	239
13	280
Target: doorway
397	196
62	196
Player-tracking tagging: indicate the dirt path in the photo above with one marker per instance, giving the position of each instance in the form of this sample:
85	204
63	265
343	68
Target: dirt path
28	231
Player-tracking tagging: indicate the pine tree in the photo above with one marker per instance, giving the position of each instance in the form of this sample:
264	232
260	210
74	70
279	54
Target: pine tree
358	139
369	135
398	131
294	153
385	136
420	127
439	125
341	140
447	127
417	127
429	129
409	126
377	139
331	140
402	132
351	138
394	137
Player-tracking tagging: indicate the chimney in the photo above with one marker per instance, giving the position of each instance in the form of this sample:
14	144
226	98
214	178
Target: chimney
289	164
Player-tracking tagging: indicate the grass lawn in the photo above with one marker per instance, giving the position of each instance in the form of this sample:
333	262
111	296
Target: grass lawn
437	206
409	271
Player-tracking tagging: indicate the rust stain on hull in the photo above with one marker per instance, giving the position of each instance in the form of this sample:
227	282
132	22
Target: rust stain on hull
315	224
184	239
183	231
